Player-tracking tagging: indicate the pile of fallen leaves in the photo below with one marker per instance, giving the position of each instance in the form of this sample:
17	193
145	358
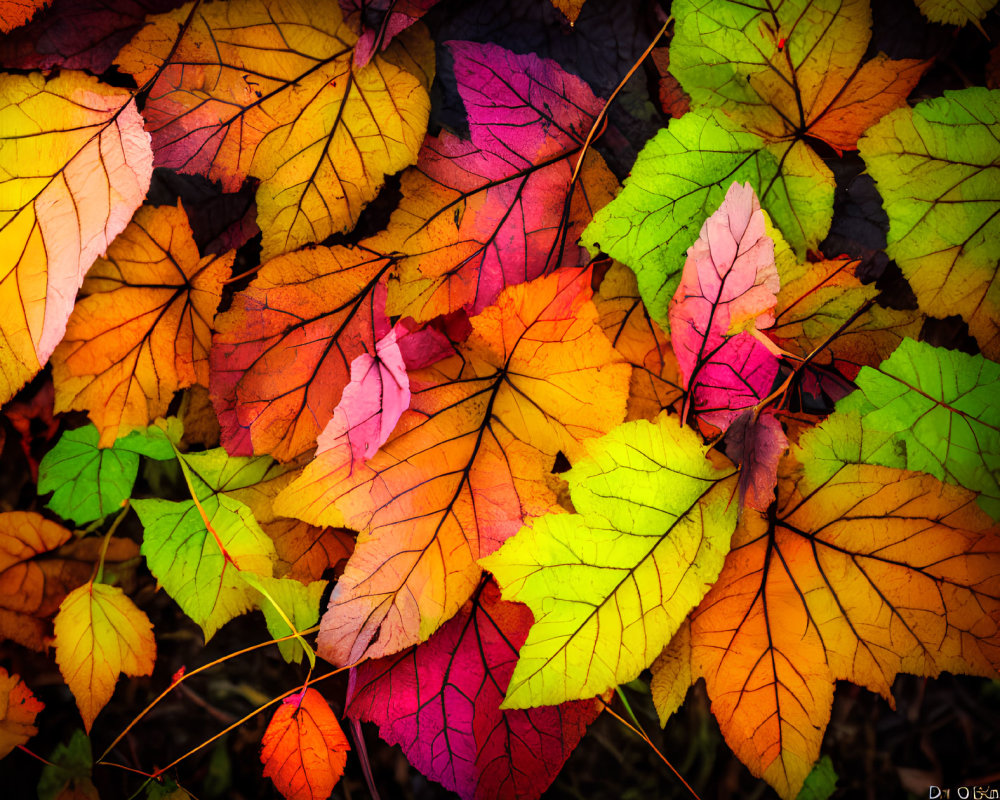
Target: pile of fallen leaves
524	365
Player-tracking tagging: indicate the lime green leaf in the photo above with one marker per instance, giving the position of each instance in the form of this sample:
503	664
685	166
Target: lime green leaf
820	783
88	482
955	12
299	603
937	167
202	567
68	773
610	585
681	177
924	409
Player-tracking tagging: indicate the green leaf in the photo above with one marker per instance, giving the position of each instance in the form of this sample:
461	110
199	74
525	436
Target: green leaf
610	585
253	480
299	603
937	167
955	12
924	409
203	569
681	177
69	770
165	789
88	482
820	783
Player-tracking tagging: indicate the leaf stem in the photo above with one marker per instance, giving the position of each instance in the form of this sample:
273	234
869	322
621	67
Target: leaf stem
107	541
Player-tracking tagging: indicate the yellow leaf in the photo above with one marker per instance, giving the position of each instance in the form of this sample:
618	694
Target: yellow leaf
75	163
100	632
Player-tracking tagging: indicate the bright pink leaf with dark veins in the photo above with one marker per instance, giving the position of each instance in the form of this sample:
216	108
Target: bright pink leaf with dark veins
729	281
381	21
372	403
737	376
481	214
440	701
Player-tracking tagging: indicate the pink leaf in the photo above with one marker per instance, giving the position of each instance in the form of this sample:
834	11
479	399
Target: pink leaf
729	281
440	701
738	375
756	442
372	403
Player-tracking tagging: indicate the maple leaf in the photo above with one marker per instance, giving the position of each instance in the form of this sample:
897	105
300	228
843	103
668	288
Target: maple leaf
380	22
319	135
372	403
89	482
99	633
18	709
14	13
39	566
610	584
76	165
656	381
281	354
67	776
304	751
465	464
937	167
924	409
478	215
143	330
440	702
872	572
201	562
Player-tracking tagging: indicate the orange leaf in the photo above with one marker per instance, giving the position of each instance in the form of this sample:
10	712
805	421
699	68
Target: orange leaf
874	572
320	136
466	463
18	709
304	750
100	632
14	13
144	330
35	576
75	164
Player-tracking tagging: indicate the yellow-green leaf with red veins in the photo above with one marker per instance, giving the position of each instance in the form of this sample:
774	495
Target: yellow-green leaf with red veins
143	330
74	166
872	572
264	88
99	633
469	460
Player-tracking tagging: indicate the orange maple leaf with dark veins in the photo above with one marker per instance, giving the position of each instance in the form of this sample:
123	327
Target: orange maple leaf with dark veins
469	460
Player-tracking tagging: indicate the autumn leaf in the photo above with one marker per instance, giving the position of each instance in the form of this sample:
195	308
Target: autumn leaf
306	551
924	409
481	214
955	12
440	702
611	584
656	381
465	464
201	563
143	330
99	633
18	709
39	566
304	751
282	353
869	573
76	165
320	136
937	167
89	483
728	283
570	8
14	13
678	181
380	22
372	403
67	776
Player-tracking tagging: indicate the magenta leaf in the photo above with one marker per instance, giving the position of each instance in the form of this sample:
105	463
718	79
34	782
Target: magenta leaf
424	345
440	702
729	281
372	403
499	209
737	376
381	21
